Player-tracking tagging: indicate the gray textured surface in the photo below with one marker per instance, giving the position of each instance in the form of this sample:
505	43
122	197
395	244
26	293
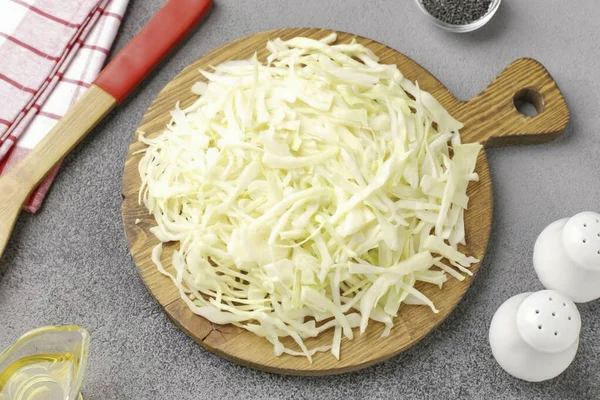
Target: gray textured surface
70	262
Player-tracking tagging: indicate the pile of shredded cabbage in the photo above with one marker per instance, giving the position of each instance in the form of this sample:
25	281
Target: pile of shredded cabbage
308	193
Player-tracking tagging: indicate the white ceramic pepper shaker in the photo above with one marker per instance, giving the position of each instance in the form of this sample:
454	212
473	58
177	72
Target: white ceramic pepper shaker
566	257
534	336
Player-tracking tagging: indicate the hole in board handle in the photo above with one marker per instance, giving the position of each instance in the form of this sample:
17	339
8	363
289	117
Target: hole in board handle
529	102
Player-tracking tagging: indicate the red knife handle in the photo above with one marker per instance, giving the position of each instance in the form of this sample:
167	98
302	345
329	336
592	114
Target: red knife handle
163	32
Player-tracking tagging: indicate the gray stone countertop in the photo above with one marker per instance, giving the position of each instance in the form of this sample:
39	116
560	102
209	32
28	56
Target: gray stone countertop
70	263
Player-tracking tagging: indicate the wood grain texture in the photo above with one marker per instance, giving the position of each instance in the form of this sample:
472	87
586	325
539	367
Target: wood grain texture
21	180
490	118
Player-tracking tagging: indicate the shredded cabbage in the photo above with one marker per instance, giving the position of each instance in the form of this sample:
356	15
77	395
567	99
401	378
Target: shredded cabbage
308	193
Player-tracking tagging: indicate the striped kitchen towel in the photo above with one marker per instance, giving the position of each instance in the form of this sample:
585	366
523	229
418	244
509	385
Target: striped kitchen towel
50	53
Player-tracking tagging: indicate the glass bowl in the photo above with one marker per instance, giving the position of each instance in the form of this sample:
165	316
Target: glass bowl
47	363
465	27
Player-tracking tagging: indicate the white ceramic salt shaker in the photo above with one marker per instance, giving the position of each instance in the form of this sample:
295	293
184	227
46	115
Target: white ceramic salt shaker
566	257
534	336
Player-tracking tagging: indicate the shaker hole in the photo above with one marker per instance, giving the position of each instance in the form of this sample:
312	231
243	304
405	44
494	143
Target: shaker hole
570	318
528	102
554	314
539	327
537	311
555	333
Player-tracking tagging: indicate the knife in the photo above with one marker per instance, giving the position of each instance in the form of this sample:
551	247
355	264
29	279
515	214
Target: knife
116	81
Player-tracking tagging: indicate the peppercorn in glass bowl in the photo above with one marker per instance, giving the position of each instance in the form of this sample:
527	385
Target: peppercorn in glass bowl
459	15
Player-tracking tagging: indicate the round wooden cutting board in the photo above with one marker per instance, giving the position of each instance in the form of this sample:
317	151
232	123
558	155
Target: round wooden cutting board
490	118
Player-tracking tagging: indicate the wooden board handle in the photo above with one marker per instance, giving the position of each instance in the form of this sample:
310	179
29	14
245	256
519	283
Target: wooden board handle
493	119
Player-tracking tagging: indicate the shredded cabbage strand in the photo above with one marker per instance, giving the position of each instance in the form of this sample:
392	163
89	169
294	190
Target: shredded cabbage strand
309	192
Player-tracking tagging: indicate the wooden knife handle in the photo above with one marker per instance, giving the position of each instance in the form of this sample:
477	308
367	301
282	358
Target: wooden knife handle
66	134
19	182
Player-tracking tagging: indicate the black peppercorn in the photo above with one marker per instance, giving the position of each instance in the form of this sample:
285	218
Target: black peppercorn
457	12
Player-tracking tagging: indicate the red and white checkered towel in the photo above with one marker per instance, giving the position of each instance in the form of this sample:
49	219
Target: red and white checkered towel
50	53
